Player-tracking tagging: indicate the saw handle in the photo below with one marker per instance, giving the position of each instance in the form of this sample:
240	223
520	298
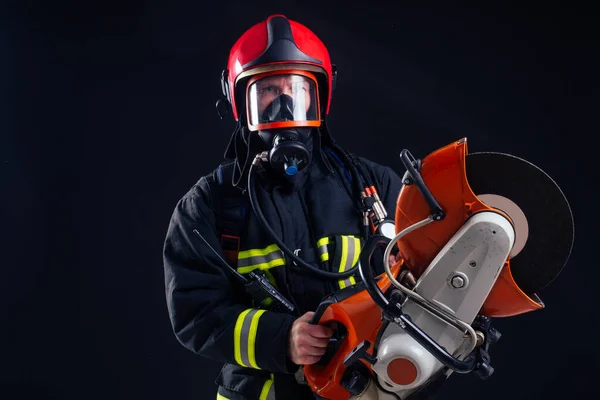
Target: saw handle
410	164
366	274
321	309
336	297
461	366
336	338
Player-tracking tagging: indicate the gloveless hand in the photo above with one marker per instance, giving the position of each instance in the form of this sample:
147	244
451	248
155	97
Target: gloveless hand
308	342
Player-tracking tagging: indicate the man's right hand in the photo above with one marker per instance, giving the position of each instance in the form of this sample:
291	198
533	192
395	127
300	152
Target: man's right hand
308	342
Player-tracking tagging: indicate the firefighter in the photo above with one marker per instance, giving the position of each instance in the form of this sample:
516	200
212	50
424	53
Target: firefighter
288	205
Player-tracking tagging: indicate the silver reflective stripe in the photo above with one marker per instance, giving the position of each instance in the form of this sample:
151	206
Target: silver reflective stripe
244	337
263	259
257	260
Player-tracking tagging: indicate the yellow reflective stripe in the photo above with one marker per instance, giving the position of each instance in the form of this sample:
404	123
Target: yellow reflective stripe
355	259
342	267
344	253
221	397
322	248
244	337
252	338
350	247
237	337
258	252
262	266
263	259
270	277
266	393
323	242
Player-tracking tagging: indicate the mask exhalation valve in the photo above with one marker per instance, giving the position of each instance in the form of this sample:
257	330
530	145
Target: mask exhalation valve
288	153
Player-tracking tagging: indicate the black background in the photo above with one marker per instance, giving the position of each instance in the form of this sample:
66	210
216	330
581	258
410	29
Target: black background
108	118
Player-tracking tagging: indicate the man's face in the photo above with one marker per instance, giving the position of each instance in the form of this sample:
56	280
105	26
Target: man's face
295	93
296	86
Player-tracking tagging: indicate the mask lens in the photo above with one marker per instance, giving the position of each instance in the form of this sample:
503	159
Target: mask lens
281	98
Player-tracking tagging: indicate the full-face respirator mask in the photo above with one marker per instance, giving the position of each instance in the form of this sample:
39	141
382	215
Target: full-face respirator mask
283	109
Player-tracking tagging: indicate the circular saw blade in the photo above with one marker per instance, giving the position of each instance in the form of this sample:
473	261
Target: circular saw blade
541	213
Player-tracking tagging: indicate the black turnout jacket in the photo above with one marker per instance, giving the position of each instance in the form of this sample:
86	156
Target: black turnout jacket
210	312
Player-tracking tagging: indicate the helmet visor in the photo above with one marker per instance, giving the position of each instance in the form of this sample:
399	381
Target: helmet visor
282	100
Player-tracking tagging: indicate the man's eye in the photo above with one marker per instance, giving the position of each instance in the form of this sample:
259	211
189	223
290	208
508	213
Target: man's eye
267	90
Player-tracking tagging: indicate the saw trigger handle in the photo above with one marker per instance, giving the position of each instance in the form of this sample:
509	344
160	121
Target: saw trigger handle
360	351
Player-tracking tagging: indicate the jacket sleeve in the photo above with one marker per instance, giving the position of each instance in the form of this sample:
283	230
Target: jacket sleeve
209	311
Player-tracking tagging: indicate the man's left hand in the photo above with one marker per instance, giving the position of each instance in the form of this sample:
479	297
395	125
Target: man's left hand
393	260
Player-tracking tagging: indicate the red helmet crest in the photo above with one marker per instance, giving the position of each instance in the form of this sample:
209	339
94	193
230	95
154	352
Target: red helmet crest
273	44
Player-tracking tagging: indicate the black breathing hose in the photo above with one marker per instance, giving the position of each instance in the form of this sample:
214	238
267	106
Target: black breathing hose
352	165
289	253
347	180
361	178
363	171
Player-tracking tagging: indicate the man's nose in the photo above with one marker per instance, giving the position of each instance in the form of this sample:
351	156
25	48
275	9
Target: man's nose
287	90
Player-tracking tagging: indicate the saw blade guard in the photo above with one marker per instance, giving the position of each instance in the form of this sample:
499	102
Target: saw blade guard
438	186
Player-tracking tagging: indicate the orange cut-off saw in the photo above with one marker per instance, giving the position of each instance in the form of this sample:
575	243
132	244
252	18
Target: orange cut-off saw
477	237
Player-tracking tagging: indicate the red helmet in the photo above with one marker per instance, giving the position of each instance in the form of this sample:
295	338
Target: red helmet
277	45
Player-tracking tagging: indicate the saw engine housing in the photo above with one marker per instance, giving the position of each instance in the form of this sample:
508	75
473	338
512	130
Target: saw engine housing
458	281
430	314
